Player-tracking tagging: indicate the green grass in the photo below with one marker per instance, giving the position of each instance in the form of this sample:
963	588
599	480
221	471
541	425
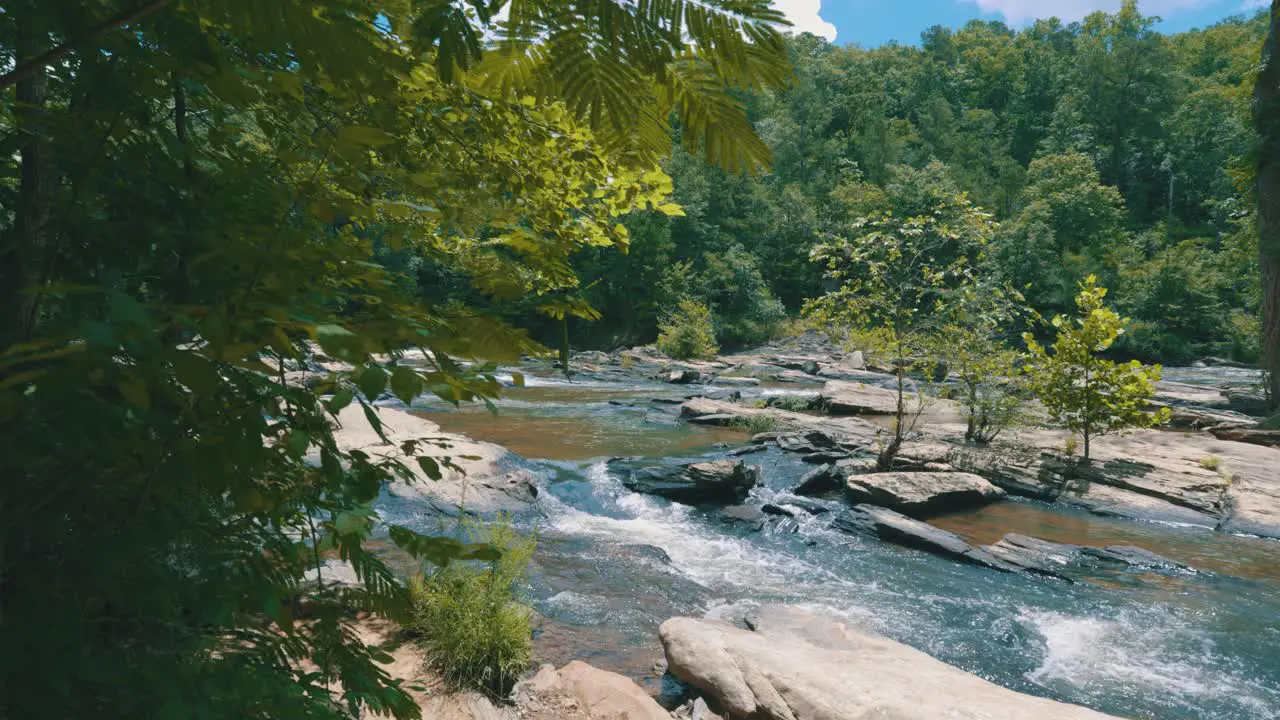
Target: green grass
1211	462
757	423
469	618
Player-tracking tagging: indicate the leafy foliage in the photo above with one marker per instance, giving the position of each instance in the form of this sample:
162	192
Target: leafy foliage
469	617
899	278
1084	392
200	199
687	333
991	390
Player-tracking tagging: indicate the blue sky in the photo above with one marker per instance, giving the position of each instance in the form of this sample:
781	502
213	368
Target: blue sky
875	22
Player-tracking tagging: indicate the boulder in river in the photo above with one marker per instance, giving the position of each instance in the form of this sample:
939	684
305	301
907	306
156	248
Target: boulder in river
703	482
736	381
579	691
1044	557
798	665
922	493
683	377
847	398
1253	436
899	529
819	481
747	516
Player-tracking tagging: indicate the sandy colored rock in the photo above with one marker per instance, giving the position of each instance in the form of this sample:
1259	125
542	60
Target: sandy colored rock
579	691
849	398
922	493
796	665
481	484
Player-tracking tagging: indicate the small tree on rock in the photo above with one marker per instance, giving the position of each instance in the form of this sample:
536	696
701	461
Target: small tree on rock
688	333
898	276
1084	392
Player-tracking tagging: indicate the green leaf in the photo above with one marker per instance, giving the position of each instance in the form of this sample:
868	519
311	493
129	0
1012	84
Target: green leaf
406	384
364	135
340	400
430	467
372	382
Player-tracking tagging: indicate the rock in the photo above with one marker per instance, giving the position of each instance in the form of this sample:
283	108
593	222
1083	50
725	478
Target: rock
824	457
922	493
714	419
819	481
746	450
845	398
736	381
333	572
1032	554
1223	362
857	466
579	691
797	376
704	482
795	508
882	380
1253	436
480	482
899	529
1249	403
1061	560
695	709
796	665
810	367
852	361
683	377
844	431
1133	557
752	518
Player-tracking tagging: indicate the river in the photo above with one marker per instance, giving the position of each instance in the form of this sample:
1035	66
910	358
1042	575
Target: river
612	565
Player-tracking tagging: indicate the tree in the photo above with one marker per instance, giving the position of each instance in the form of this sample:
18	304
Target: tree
1083	391
687	333
196	193
897	276
1266	116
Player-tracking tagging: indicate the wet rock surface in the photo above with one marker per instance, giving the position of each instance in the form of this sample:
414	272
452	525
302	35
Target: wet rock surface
717	481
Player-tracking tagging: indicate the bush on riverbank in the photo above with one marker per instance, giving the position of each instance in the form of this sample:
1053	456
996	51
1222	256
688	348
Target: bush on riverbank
471	622
688	333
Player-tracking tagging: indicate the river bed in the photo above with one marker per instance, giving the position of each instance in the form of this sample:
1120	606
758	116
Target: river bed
612	565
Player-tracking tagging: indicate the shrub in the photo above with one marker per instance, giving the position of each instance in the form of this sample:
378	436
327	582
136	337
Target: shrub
1084	392
688	333
991	390
469	617
757	423
1211	462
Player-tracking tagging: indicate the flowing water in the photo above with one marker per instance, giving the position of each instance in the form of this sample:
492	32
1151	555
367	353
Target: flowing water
613	564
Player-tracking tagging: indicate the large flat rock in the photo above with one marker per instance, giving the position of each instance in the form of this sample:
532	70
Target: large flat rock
717	481
922	493
797	665
901	530
479	484
850	398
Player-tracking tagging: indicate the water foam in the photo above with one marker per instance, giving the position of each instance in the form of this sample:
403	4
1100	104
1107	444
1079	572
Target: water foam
1150	652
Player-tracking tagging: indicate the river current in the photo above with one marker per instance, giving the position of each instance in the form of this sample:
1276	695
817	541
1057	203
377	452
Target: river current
612	565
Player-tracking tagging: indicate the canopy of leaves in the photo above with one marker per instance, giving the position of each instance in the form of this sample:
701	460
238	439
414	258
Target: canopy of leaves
196	195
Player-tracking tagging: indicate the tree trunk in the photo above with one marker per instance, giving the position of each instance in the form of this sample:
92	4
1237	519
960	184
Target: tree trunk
19	256
1266	114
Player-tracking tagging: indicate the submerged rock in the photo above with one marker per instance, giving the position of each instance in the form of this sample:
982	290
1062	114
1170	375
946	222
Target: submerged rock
899	529
797	665
752	518
704	482
1064	560
922	493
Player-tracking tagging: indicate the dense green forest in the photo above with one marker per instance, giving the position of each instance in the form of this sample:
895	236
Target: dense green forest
1101	147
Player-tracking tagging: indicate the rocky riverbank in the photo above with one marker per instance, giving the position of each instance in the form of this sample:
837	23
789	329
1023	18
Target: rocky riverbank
829	425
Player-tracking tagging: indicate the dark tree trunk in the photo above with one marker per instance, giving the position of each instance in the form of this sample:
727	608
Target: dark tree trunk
18	259
1266	113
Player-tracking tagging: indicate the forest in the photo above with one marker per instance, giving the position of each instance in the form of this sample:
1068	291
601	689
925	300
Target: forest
1101	147
231	231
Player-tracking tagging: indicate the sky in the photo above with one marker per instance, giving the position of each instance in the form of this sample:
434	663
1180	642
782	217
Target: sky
871	23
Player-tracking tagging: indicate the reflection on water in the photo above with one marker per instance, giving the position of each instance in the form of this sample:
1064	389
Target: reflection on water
1203	549
571	423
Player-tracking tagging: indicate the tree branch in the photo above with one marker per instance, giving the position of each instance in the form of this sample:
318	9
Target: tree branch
25	69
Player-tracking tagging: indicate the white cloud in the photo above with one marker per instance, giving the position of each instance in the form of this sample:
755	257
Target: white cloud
805	17
1019	12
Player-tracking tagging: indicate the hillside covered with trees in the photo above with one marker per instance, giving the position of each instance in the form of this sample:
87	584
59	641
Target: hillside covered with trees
1101	147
